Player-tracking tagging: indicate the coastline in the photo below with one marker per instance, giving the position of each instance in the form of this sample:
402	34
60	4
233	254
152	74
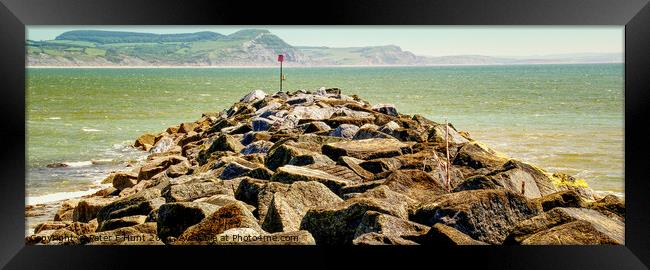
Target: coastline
304	66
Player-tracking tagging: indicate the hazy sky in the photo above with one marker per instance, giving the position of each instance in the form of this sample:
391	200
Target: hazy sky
421	40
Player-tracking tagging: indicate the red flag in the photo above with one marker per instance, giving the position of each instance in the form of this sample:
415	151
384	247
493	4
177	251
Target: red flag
280	58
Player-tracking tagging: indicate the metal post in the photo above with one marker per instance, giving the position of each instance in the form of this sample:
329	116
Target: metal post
280	76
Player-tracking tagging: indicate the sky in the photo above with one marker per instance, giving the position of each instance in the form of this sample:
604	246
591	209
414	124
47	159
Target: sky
421	40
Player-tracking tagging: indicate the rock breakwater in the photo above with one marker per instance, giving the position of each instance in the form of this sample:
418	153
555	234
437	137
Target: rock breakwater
321	167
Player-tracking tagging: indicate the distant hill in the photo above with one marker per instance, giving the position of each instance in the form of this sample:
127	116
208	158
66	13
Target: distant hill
378	55
249	47
106	37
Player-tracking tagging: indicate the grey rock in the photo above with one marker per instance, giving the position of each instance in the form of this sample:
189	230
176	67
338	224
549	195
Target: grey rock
577	226
287	208
262	124
192	191
388	225
388	109
140	203
344	131
254	95
262	147
484	215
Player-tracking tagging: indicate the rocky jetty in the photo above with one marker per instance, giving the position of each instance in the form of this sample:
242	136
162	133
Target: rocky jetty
320	167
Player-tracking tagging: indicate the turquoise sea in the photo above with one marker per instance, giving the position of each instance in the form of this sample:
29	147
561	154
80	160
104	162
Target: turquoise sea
566	118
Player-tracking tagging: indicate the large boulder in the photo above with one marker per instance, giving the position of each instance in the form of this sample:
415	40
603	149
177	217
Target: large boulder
222	200
187	127
288	207
88	208
122	180
260	146
120	222
370	133
174	218
141	203
253	95
484	215
164	144
234	215
373	239
313	112
409	134
380	165
252	136
261	173
438	134
515	176
567	198
399	205
441	234
350	120
476	156
568	226
290	174
416	184
190	137
361	187
158	165
366	149
262	124
191	191
353	164
145	141
337	224
281	155
311	158
388	109
179	169
249	189
344	131
318	139
226	142
316	126
387	225
258	193
336	170
236	169
65	211
611	206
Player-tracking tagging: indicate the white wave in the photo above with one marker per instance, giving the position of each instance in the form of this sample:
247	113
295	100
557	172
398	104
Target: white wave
58	196
90	129
102	161
54	118
204	95
604	193
78	163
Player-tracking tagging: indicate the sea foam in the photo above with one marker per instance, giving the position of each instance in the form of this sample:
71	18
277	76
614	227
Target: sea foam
59	196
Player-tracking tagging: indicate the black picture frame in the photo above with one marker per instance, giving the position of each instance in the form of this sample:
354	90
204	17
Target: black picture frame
16	14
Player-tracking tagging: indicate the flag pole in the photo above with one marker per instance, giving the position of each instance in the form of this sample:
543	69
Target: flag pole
281	59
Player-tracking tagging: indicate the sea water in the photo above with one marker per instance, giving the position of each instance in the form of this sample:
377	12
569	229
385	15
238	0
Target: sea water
563	118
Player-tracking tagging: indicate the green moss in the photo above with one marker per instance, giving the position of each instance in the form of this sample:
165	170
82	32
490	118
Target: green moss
564	180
